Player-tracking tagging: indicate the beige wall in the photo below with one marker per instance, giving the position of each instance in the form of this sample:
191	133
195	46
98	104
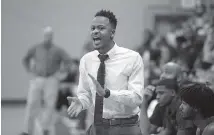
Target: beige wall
23	20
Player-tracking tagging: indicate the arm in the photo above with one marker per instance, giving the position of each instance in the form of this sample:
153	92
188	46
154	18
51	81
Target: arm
66	60
145	125
83	91
27	58
133	96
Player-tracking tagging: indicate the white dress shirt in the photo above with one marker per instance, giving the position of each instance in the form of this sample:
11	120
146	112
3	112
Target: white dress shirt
124	78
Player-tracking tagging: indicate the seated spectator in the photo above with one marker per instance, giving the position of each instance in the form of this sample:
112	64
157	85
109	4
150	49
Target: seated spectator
168	114
197	98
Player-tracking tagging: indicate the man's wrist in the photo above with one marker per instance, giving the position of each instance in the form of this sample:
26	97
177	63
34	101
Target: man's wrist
107	93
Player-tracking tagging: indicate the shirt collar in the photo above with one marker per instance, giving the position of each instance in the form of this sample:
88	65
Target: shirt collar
111	52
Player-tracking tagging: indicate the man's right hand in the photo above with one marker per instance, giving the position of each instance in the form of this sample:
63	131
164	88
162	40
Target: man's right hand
149	92
75	108
148	96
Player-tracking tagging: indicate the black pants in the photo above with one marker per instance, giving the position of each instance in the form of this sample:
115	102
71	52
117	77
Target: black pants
125	129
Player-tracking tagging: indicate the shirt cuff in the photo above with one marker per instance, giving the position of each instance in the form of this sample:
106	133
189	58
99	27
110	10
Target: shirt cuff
114	95
82	101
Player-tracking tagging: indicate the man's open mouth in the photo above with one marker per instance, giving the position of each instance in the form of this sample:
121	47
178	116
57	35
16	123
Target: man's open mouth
96	40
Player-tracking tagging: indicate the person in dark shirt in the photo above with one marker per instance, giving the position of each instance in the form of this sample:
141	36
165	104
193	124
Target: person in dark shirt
166	92
44	62
65	91
173	71
198	98
167	114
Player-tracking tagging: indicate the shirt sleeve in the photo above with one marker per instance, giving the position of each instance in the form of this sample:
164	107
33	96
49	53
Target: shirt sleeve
28	56
133	96
83	91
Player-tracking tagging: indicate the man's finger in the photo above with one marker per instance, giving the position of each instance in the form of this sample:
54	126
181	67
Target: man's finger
151	88
69	109
77	113
72	105
72	114
74	108
92	78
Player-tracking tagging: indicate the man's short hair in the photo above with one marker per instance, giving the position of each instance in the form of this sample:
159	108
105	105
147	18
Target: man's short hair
169	84
198	96
108	14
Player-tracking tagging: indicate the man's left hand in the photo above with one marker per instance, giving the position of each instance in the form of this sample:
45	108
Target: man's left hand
99	89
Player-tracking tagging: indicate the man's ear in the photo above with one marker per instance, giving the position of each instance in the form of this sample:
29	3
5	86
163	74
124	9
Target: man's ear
112	33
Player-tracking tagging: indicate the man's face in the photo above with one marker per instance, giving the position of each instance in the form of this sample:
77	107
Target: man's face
168	73
199	10
187	111
48	37
101	32
164	95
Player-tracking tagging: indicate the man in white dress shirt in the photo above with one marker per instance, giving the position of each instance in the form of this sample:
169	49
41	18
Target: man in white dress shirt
121	89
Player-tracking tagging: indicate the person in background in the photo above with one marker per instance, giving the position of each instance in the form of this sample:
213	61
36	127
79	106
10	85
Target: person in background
209	129
165	112
45	62
154	65
68	88
148	36
200	20
145	51
205	73
171	71
197	99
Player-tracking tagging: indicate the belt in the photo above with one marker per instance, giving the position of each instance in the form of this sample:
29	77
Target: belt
121	121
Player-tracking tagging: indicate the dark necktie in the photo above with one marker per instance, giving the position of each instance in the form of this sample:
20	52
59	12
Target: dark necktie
98	113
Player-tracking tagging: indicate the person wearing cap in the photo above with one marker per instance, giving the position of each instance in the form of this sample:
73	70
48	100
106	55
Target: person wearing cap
45	62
